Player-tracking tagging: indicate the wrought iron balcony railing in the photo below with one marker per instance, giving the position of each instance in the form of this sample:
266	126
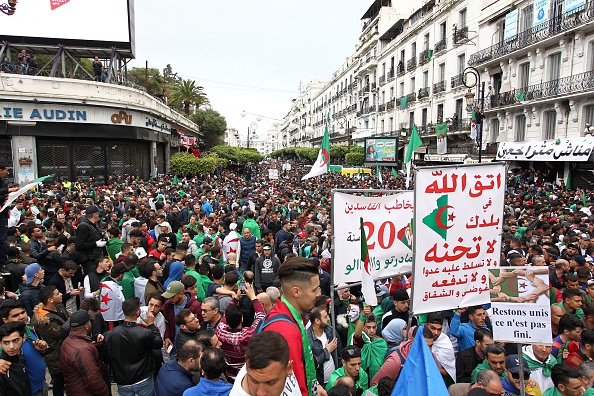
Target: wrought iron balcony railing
411	64
423	92
439	87
461	35
440	45
458	80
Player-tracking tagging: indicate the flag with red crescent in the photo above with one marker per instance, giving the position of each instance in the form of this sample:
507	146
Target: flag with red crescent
323	162
440	220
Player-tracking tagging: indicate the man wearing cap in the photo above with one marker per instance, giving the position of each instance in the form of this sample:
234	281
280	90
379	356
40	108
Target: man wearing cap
79	359
401	304
204	249
265	269
111	296
89	244
168	234
34	275
231	242
511	382
177	300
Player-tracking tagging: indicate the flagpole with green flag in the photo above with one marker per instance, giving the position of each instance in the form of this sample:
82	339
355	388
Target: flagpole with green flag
395	173
414	143
367	284
323	161
378	173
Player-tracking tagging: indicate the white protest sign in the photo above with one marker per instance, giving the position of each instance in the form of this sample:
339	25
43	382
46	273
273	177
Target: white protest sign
273	173
388	228
458	223
520	304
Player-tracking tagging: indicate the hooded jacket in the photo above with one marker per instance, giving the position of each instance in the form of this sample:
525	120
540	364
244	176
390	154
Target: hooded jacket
29	296
176	270
47	326
208	387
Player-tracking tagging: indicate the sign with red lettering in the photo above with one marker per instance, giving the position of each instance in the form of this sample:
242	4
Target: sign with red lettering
458	225
388	222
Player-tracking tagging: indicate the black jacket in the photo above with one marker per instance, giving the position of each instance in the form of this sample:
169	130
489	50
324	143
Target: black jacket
15	382
87	235
3	196
130	351
466	362
29	296
58	281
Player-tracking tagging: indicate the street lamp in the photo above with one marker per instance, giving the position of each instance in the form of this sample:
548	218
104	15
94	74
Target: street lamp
10	8
342	120
472	78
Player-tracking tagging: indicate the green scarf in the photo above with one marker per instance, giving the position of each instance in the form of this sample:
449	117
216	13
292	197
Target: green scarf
308	358
536	364
373	354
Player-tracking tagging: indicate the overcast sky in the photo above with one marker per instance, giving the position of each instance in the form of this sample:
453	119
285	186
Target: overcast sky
248	55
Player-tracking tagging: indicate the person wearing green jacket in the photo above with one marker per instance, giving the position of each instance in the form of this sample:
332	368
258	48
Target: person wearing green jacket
568	382
114	244
252	225
351	367
127	281
190	270
495	360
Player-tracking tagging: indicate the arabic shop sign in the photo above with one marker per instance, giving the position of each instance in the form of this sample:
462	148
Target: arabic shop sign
574	149
457	227
388	227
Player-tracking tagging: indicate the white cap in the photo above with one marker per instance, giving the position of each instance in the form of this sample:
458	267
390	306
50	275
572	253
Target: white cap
140	252
232	226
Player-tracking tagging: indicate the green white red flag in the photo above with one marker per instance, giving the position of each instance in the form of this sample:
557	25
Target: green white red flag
367	284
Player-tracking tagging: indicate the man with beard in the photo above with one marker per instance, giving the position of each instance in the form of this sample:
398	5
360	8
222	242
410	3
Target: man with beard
465	331
323	344
494	360
468	359
401	306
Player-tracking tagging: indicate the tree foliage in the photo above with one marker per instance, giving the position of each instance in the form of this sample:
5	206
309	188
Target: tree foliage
154	84
212	126
336	152
354	159
307	153
237	155
186	93
186	164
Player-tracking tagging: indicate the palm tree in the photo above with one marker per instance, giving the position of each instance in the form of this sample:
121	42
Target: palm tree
186	94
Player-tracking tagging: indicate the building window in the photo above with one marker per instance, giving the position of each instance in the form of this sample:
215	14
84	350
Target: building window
520	128
526	18
494	130
462	19
412	84
440	113
442	31
402	58
525	75
402	88
382	126
550	124
461	63
411	119
425	79
391	124
592	56
391	93
424	117
554	65
426	42
413	48
442	72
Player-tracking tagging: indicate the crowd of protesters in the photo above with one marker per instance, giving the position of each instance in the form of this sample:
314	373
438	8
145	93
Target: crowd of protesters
220	285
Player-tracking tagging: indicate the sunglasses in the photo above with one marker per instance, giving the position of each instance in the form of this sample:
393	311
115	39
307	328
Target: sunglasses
517	376
355	352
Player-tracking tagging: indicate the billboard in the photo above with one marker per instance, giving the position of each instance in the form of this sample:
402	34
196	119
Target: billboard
71	22
381	150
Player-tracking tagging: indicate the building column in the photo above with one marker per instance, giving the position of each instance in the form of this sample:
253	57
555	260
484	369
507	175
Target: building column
24	147
154	170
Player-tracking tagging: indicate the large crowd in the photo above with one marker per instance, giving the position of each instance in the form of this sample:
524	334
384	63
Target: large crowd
220	284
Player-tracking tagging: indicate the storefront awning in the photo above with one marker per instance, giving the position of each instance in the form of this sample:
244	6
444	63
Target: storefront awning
573	149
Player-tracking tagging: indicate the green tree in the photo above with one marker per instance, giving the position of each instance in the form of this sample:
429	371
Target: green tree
354	159
187	93
212	126
137	75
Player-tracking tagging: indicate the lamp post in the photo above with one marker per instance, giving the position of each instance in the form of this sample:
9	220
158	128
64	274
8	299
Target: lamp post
342	120
252	128
472	78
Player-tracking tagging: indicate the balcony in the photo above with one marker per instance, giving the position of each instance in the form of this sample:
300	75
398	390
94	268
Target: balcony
439	87
381	107
411	97
458	80
381	80
461	35
411	64
390	104
400	69
576	84
425	56
536	35
390	74
423	93
366	66
440	46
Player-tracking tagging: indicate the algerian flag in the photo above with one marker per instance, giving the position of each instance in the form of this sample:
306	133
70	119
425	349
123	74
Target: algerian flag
321	165
442	138
367	284
440	217
473	129
414	143
42	179
584	199
395	173
378	173
175	181
405	234
93	194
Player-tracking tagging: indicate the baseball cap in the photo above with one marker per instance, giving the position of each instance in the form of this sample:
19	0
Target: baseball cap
313	239
174	288
79	318
164	224
572	245
140	252
381	290
302	234
400	295
118	270
51	236
30	272
512	363
435	317
92	209
266	247
206	240
232	226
